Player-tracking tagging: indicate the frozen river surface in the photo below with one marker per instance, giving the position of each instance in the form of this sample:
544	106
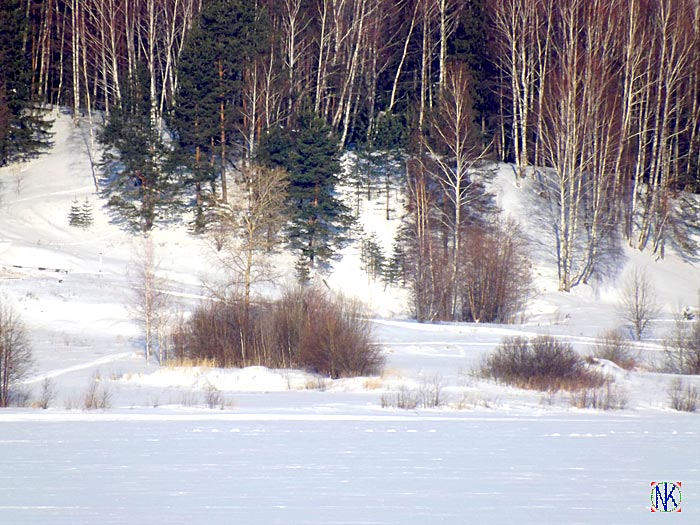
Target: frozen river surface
225	467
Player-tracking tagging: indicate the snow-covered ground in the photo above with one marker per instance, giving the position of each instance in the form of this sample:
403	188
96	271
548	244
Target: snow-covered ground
284	446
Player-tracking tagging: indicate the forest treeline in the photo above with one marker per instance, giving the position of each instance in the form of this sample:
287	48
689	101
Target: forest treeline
604	94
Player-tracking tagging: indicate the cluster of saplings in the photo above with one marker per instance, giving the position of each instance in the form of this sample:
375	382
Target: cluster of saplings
307	328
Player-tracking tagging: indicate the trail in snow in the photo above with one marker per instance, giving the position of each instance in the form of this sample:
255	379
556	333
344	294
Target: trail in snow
75	368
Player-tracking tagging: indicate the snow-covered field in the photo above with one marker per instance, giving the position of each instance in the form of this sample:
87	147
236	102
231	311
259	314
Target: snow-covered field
287	447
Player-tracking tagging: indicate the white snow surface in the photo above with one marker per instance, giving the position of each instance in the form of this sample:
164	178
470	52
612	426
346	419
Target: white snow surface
288	447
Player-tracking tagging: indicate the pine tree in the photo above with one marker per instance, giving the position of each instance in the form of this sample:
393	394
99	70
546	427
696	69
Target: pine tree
226	37
86	213
395	268
139	188
75	216
372	256
470	44
319	220
23	131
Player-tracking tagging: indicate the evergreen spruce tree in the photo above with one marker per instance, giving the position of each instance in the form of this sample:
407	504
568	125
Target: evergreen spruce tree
206	114
139	188
86	213
75	216
469	44
23	131
372	256
319	220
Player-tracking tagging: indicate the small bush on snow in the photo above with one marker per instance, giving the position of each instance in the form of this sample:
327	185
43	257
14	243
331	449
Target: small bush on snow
213	396
613	346
47	393
97	395
326	334
543	363
607	397
404	398
683	397
429	394
682	348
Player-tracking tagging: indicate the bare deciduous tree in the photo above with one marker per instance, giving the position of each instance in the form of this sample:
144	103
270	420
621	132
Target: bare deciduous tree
517	25
581	139
457	151
15	352
150	306
682	346
496	281
253	225
639	303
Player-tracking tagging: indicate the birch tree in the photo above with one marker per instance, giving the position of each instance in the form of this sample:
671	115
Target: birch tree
457	151
253	222
581	139
515	24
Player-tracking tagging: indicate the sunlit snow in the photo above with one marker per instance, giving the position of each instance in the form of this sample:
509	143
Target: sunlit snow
288	447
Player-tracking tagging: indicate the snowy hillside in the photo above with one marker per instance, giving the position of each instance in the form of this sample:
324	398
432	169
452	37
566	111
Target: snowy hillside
284	446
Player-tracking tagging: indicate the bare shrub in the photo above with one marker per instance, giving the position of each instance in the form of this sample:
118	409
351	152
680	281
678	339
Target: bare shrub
15	354
307	328
496	282
613	346
682	348
543	363
47	393
404	398
493	280
188	399
429	394
317	383
18	171
683	397
325	334
19	397
97	395
213	397
639	303
221	333
608	397
337	338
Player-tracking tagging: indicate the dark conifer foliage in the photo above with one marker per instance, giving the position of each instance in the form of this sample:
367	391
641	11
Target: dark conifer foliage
470	44
139	187
318	219
206	114
23	130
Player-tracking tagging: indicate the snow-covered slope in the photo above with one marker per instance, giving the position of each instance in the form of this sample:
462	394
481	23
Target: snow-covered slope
289	447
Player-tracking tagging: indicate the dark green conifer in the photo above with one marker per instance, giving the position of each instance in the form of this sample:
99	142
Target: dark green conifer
23	131
470	44
139	188
318	219
86	213
206	116
75	216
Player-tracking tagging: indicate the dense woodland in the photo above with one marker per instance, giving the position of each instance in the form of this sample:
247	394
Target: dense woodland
197	97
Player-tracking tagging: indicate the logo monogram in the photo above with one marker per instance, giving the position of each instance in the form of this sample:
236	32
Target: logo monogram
666	496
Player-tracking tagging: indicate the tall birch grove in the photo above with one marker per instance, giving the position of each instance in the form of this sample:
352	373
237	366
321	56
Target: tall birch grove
600	98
